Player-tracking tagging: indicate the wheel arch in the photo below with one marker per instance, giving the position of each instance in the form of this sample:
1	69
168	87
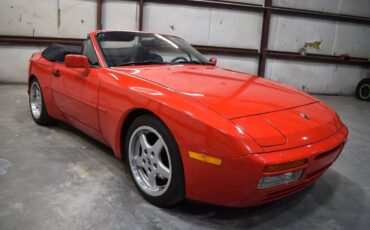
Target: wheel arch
126	123
30	78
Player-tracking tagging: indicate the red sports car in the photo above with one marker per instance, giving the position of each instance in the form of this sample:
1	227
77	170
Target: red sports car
187	128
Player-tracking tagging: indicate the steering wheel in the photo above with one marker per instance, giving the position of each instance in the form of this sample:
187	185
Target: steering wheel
179	58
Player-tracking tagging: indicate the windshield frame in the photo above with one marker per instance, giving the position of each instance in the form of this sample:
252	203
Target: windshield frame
202	60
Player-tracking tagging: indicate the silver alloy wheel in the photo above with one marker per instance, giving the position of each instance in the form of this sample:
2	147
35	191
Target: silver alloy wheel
150	161
36	100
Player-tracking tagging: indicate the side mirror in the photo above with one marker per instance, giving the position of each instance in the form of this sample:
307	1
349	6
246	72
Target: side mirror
213	61
78	61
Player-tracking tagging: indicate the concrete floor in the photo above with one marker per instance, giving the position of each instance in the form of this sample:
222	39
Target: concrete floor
58	178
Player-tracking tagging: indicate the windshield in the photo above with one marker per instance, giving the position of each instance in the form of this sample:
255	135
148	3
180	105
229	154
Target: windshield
132	48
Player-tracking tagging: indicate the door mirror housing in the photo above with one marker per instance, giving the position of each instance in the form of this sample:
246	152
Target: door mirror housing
78	61
213	61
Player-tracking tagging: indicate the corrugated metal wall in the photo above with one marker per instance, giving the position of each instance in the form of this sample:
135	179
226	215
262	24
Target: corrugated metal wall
52	18
291	33
204	26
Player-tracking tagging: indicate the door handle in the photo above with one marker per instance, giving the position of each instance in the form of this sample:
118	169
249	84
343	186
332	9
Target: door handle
56	73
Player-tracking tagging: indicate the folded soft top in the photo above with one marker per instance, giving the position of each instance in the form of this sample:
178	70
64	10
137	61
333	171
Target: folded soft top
56	52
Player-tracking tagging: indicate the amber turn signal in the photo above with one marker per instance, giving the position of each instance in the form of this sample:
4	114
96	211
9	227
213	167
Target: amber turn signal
285	166
205	158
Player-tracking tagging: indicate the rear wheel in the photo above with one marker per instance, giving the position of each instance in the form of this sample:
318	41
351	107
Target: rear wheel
154	161
363	90
37	105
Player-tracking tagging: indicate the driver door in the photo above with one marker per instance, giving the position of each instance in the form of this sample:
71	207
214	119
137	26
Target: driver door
77	95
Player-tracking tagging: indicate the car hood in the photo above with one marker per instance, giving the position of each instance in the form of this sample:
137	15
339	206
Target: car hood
292	127
229	93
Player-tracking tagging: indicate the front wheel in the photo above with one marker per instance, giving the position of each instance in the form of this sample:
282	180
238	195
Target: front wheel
37	105
154	161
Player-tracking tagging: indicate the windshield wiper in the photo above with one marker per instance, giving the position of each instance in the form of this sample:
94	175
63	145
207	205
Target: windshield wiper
161	63
142	63
191	62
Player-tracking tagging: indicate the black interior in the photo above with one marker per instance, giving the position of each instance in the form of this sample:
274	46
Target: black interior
137	53
57	52
114	56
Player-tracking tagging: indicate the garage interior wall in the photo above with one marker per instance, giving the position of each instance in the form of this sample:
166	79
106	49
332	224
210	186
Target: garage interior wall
207	26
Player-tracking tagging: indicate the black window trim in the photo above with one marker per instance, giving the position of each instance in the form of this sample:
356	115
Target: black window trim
83	49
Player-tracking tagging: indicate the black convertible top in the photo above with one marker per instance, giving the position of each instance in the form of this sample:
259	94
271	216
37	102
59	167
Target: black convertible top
56	52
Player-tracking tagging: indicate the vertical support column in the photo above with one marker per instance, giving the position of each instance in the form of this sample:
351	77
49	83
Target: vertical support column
264	38
141	11
98	15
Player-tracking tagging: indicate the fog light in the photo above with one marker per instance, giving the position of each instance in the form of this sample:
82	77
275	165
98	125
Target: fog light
285	178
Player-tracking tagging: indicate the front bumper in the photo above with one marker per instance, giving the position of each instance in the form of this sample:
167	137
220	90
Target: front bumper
235	182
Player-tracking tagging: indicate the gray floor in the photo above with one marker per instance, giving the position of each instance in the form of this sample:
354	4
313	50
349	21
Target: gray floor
58	178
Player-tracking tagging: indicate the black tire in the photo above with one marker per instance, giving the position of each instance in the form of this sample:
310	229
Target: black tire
175	191
363	90
43	119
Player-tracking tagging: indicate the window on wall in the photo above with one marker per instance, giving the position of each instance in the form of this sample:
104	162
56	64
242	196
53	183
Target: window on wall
89	52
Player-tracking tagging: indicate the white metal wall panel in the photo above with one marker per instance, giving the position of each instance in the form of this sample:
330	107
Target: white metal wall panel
291	33
260	2
188	22
237	29
120	15
14	62
205	26
355	7
322	5
74	19
351	7
77	18
319	78
352	39
28	18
